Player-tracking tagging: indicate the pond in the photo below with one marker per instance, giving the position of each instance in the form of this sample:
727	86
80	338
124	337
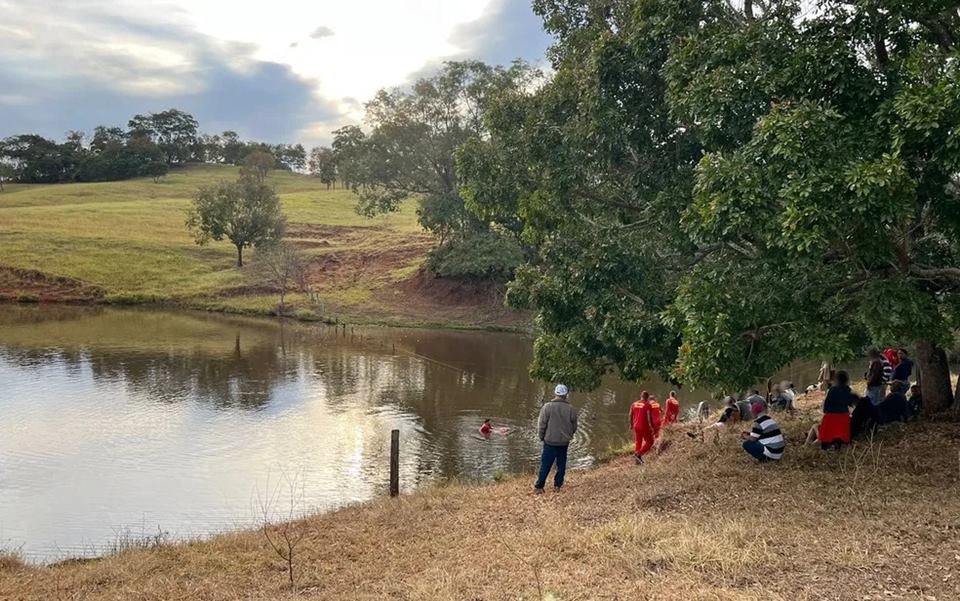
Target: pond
117	425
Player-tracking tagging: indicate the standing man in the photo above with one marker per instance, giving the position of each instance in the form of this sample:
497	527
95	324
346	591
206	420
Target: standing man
641	422
558	423
672	412
874	377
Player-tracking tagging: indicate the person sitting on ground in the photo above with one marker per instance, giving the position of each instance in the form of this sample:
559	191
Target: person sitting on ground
789	392
486	428
915	401
672	412
894	407
834	428
864	417
730	414
557	425
904	370
765	441
742	405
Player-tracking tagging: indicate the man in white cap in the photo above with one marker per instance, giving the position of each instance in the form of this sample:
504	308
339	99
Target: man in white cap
558	422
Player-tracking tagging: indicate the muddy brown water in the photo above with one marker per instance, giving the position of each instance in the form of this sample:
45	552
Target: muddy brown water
117	425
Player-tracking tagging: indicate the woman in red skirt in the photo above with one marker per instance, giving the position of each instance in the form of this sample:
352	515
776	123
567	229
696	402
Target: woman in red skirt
835	426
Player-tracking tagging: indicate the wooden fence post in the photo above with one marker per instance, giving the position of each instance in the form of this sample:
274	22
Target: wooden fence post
394	463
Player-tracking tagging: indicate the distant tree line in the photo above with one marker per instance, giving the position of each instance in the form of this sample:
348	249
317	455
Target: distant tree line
150	144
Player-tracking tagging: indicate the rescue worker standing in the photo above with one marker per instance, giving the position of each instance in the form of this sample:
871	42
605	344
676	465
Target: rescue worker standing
641	422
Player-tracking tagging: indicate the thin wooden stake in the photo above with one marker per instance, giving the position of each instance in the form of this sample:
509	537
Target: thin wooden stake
394	463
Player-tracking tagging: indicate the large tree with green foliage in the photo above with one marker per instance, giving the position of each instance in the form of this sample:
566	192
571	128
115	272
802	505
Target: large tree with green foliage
732	189
174	131
409	152
246	212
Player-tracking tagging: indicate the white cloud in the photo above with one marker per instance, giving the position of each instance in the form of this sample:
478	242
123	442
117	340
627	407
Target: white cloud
163	49
321	32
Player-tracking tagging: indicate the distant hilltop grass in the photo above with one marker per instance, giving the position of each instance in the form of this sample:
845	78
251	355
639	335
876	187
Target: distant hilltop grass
126	243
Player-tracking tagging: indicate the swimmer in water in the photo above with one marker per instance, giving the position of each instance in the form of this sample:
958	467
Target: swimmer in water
486	428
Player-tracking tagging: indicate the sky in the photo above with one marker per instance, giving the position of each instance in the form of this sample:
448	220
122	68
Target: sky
279	71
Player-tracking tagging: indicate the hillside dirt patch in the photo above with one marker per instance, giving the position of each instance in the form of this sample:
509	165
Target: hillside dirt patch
370	261
28	284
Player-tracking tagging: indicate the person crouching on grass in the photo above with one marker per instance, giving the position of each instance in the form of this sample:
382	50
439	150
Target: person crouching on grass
765	441
557	425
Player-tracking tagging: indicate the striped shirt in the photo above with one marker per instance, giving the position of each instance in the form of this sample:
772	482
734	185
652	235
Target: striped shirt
887	370
767	432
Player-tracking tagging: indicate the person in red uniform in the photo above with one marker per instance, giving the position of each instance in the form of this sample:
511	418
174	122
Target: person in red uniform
641	422
656	414
672	412
486	428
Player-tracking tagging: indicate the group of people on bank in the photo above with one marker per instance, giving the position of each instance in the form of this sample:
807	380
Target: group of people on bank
888	378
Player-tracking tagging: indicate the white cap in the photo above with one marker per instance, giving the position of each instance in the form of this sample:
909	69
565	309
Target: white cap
561	390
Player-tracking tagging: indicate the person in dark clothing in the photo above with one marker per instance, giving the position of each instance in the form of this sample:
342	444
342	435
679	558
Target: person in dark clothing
875	378
894	407
904	370
915	401
864	417
834	428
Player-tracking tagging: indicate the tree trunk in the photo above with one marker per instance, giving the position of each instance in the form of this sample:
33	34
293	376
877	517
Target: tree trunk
956	402
934	372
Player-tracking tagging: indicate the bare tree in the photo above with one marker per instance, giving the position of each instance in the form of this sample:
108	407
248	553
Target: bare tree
283	532
283	267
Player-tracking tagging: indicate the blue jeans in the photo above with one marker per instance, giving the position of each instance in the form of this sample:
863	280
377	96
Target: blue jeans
550	455
755	449
876	394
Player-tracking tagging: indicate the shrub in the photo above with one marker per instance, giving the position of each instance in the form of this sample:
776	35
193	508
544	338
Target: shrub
477	256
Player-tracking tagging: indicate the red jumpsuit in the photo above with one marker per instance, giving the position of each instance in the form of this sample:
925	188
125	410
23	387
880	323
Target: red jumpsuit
641	419
673	411
655	413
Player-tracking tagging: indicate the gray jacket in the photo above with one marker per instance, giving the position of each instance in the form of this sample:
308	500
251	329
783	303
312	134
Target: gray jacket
558	422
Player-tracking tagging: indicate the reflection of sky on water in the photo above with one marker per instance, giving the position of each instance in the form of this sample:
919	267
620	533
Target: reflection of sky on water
130	420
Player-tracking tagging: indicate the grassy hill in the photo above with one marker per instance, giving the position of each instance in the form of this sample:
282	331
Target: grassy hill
125	242
701	521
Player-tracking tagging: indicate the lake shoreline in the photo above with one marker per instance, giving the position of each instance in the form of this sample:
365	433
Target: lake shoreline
664	526
341	319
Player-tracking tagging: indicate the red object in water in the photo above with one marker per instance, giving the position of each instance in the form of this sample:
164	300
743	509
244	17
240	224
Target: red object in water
486	428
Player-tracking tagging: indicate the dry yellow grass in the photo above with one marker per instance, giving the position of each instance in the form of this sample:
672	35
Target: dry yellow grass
699	522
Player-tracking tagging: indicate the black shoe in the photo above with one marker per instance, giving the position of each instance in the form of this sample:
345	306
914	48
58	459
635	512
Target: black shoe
556	489
538	491
638	459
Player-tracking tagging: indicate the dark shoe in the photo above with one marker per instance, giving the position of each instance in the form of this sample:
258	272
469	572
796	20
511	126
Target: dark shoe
538	491
638	459
556	489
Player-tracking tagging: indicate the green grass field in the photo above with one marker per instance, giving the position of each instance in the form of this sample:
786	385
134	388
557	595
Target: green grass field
128	240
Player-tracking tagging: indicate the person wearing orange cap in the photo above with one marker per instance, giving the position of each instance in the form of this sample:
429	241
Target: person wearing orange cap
672	412
641	422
